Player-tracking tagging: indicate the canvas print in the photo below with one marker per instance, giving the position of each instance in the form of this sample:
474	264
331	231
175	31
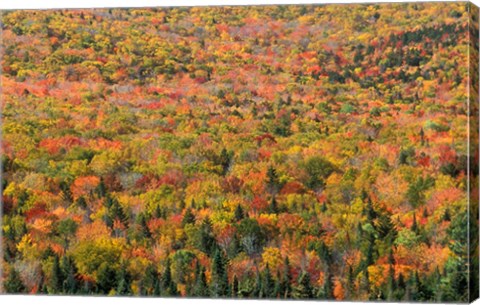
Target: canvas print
325	152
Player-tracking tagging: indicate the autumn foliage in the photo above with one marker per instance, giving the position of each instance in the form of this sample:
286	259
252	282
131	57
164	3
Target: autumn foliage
313	151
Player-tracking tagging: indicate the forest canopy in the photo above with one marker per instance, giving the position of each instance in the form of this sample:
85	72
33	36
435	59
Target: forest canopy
313	151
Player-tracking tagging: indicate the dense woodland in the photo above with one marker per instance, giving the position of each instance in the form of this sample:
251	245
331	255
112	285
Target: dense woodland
245	152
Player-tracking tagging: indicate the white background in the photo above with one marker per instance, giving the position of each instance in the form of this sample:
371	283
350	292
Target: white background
54	300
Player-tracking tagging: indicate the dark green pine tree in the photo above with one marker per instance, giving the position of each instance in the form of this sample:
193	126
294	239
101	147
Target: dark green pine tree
107	219
101	189
206	241
370	211
55	284
277	289
420	291
365	282
328	287
182	205
188	217
286	287
273	207
458	284
225	160
414	227
257	288
324	207
457	265
363	195
21	200
401	292
150	281
273	181
234	288
116	211
108	201
158	212
324	253
268	284
219	284
106	278
303	289
239	214
86	288
157	289
69	271
385	228
414	285
369	260
437	282
350	284
124	282
391	283
144	230
66	192
165	213
13	283
200	289
425	213
169	288
446	215
81	202
234	247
